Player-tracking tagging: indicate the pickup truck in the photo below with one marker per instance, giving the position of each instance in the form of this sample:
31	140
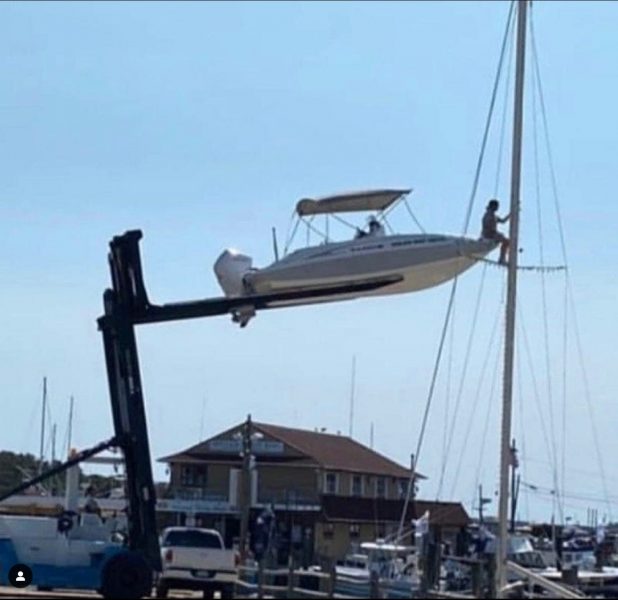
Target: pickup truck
196	559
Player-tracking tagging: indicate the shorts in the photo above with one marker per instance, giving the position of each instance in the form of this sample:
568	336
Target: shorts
496	237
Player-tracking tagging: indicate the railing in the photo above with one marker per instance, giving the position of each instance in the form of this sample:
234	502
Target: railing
197	494
257	582
289	498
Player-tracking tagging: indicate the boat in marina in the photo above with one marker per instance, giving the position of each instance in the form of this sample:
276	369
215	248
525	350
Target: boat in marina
373	263
394	565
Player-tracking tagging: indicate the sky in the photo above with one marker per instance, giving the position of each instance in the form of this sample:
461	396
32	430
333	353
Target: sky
202	124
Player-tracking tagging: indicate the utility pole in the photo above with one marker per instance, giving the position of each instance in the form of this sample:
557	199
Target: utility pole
245	498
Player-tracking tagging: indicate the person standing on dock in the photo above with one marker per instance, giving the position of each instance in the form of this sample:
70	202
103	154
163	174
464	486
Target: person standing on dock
490	228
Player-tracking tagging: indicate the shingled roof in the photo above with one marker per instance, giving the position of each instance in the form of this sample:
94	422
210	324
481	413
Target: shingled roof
445	514
329	451
337	452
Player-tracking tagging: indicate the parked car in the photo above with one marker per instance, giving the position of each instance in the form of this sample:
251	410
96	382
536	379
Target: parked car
196	559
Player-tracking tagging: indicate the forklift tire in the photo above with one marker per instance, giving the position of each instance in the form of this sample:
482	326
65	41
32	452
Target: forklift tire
227	591
162	590
126	575
208	593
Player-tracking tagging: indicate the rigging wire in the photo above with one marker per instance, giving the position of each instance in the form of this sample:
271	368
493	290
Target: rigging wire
492	103
570	294
466	223
505	106
428	403
407	205
522	424
477	174
572	496
536	394
498	318
463	375
475	402
544	312
490	396
449	371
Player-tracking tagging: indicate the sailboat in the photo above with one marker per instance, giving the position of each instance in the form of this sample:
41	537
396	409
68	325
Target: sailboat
373	263
545	578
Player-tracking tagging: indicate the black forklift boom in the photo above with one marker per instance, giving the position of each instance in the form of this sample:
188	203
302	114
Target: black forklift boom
126	304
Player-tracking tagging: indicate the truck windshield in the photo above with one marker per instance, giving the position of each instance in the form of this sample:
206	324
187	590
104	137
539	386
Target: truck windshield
192	539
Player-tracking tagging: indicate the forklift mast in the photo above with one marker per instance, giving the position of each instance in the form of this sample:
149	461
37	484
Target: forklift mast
126	298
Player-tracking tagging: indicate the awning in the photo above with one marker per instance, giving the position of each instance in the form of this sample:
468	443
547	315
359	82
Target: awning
350	202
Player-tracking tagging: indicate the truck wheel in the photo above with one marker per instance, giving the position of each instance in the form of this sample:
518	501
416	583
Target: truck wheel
208	593
126	575
227	591
162	590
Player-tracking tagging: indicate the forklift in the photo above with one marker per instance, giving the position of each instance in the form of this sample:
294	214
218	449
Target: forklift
127	568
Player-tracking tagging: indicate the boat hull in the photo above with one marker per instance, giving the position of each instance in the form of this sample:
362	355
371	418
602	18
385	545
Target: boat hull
413	263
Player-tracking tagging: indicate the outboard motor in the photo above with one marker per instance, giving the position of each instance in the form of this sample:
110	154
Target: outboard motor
230	269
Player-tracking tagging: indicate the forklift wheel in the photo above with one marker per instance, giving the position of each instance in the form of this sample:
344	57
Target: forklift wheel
227	592
126	575
162	590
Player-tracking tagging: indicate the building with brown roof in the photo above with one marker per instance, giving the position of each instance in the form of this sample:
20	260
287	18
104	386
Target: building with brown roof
329	491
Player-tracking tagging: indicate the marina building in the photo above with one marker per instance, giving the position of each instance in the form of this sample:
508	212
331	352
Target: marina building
328	491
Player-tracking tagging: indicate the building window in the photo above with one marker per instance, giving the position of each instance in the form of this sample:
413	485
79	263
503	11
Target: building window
357	485
193	476
330	485
380	487
329	531
354	530
402	488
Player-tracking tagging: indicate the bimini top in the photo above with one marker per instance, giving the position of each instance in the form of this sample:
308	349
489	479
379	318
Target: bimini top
349	202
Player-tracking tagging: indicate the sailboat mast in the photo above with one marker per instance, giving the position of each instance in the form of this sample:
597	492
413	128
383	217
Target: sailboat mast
509	347
352	390
43	412
70	428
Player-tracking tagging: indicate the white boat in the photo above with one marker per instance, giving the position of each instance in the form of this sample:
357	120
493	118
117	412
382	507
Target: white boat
371	264
394	565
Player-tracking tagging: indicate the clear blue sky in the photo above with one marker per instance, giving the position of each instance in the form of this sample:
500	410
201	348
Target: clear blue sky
203	123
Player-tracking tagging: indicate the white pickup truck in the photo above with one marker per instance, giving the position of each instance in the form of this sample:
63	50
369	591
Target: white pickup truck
196	559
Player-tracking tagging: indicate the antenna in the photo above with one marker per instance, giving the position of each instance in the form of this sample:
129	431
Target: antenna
275	246
371	435
353	385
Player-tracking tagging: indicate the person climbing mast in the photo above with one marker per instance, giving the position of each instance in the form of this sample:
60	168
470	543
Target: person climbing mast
490	228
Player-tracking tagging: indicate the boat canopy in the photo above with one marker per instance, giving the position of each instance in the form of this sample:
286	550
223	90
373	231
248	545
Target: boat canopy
350	202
